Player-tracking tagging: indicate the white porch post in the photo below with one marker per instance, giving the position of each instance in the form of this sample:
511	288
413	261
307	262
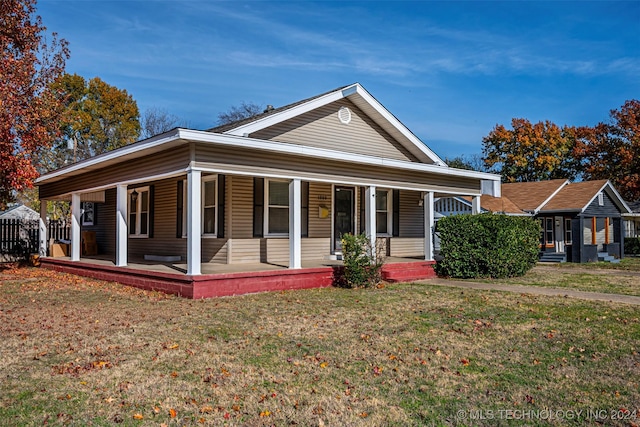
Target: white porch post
75	227
429	222
295	224
44	238
370	216
475	205
194	222
121	226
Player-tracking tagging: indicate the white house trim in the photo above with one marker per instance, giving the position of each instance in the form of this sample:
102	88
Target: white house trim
539	208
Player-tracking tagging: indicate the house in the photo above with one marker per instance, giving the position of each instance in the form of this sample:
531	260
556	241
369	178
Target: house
261	204
20	212
632	220
580	221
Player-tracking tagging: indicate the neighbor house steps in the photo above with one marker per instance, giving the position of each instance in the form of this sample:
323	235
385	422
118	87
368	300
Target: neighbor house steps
604	256
552	257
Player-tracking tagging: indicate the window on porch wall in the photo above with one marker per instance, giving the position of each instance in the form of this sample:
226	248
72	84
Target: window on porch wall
139	212
277	201
568	237
382	211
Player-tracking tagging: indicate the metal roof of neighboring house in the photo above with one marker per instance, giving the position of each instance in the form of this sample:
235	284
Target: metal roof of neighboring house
19	212
531	196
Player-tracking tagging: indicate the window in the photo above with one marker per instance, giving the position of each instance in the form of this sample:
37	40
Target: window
600	199
277	204
549	231
567	231
139	212
88	213
209	203
383	209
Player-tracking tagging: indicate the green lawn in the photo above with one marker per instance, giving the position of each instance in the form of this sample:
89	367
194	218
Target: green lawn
85	352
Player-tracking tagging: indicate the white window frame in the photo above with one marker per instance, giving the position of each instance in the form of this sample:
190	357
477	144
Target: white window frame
204	180
267	207
600	199
568	232
389	211
139	190
85	208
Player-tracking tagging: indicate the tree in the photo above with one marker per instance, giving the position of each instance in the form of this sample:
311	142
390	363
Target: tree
155	121
530	152
475	162
243	111
97	118
612	150
29	109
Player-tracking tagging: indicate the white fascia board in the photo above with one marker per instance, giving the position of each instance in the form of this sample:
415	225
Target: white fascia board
621	203
155	141
286	148
285	115
395	122
539	208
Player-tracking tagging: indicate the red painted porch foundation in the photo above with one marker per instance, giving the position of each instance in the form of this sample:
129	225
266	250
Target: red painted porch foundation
217	285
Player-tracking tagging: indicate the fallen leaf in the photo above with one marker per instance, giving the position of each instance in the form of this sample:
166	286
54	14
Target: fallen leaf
138	416
172	413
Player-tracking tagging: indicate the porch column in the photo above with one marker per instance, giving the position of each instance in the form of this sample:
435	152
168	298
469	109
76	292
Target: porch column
429	222
194	222
475	205
295	224
121	226
44	238
75	227
370	226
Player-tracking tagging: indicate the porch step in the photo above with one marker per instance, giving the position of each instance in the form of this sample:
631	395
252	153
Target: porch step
552	257
605	257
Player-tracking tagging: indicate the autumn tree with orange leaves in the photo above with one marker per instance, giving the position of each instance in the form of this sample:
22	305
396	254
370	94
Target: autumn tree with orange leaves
530	152
612	150
29	108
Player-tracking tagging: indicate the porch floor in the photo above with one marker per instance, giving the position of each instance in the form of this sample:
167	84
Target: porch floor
229	279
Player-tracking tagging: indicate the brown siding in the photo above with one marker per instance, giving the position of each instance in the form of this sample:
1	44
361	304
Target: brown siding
319	195
241	224
321	128
411	215
156	164
256	160
407	247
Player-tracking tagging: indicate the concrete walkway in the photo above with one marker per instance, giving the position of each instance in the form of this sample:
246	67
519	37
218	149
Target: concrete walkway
538	290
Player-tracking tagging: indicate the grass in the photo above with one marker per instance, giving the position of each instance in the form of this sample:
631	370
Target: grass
622	278
85	352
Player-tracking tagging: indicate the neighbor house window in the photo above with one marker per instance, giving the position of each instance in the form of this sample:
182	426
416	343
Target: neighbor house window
567	231
383	212
139	212
209	204
549	231
277	204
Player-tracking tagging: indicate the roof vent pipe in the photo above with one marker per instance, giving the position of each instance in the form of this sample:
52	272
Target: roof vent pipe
269	108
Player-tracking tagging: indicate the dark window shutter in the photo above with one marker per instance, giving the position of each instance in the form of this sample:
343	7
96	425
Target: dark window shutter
151	209
363	214
258	207
221	199
179	209
304	189
396	213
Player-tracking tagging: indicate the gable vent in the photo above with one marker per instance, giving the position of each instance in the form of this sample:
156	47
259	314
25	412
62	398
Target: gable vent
344	114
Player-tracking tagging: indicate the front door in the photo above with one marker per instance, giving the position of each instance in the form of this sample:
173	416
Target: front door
343	217
559	226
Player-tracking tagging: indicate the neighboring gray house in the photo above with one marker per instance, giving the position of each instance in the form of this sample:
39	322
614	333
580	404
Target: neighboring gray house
580	222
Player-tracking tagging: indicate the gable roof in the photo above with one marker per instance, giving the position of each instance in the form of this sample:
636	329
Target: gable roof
359	97
579	195
531	196
19	212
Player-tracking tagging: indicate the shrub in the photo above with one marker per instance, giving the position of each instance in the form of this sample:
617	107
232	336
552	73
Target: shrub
487	245
362	261
632	245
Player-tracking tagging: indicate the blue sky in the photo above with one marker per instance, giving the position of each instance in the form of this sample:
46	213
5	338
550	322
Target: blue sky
450	71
